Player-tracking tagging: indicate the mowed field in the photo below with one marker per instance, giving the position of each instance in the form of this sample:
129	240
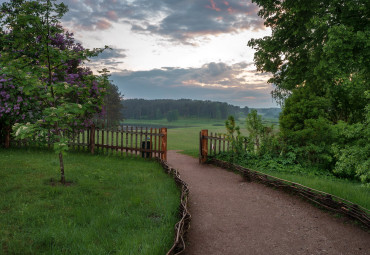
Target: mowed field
183	134
111	205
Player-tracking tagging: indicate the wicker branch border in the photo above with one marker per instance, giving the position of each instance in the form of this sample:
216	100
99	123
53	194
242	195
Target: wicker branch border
326	200
183	225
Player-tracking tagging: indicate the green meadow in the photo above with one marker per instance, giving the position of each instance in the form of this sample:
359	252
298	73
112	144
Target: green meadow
183	134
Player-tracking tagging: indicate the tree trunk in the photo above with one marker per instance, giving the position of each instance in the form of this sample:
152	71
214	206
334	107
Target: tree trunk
7	137
62	177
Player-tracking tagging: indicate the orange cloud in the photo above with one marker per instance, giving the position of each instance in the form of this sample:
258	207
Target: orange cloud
213	6
231	10
112	15
205	84
103	24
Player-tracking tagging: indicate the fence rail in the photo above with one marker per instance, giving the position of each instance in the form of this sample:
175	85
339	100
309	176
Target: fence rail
118	140
211	144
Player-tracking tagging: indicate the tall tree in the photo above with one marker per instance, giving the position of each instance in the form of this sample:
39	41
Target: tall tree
112	104
321	45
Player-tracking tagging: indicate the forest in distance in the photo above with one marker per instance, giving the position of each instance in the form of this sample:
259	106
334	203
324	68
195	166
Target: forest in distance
187	108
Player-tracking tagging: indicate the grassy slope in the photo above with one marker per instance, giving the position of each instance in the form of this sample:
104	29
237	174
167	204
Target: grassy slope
186	138
115	205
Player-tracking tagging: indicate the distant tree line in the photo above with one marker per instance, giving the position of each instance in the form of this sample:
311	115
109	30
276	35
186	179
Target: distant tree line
173	109
272	113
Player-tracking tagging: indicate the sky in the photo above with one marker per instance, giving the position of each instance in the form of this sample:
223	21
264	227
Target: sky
172	49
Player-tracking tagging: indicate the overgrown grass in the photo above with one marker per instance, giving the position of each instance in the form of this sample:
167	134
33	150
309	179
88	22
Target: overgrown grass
315	178
113	206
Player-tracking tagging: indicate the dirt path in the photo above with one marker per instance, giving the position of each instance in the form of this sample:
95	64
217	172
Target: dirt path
230	216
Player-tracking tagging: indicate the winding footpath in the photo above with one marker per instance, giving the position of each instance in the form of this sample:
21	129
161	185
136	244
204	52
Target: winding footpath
230	216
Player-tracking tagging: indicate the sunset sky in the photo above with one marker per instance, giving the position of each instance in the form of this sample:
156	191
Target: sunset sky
175	49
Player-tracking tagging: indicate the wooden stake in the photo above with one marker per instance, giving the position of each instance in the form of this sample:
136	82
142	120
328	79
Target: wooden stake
204	146
164	144
92	139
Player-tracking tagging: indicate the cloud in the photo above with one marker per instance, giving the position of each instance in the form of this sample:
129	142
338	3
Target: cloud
180	21
103	24
109	58
212	81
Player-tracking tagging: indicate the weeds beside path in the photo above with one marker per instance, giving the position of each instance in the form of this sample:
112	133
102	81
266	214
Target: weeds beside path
230	216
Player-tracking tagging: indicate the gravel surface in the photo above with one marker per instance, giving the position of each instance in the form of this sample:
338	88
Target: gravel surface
230	216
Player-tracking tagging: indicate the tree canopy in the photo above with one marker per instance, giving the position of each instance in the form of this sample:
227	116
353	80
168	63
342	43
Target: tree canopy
319	58
321	45
113	108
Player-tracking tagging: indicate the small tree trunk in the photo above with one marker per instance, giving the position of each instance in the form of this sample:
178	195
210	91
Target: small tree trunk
7	137
62	177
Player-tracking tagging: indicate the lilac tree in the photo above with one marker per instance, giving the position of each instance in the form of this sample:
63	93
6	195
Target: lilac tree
44	88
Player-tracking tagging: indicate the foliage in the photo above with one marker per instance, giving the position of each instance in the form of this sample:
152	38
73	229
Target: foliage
304	127
112	104
321	45
256	129
309	176
234	137
173	115
43	76
352	149
187	108
319	56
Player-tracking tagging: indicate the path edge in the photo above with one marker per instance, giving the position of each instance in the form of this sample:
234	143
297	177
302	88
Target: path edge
183	225
323	199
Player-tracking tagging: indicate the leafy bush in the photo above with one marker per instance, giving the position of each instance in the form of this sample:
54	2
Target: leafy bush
261	139
234	136
352	149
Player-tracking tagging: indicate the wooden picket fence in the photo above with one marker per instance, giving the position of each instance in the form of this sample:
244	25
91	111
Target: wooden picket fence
211	144
118	140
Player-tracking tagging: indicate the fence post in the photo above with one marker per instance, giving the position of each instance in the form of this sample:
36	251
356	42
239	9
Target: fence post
92	138
7	137
164	144
204	145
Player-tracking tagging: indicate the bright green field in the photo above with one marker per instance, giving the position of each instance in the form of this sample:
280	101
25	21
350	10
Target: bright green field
114	205
184	134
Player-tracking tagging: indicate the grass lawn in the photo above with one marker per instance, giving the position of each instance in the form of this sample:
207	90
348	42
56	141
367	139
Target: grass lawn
114	205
